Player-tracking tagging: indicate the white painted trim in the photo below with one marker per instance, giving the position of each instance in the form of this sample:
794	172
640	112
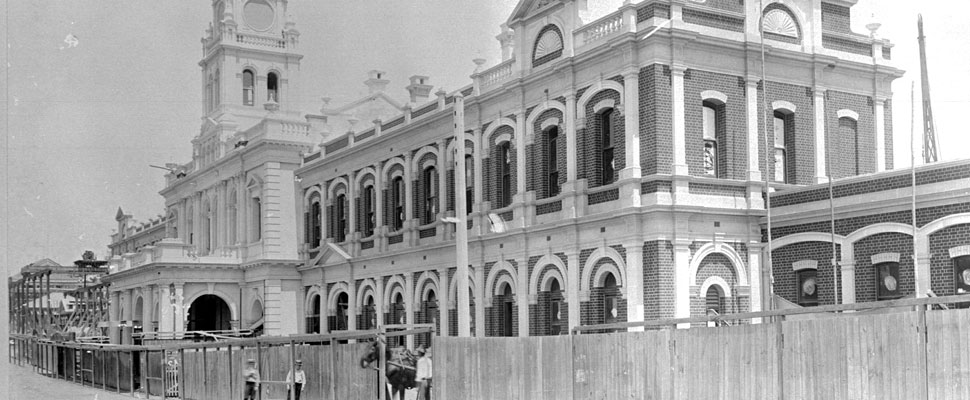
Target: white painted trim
453	290
332	188
227	298
394	285
367	285
546	281
505	137
307	196
846	113
548	259
423	286
338	287
601	275
604	105
497	123
390	164
884	258
804	264
959	251
714	281
708	95
598	254
541	108
359	178
549	122
783	105
805	237
883	227
494	274
944	222
595	89
723	248
503	279
315	290
416	160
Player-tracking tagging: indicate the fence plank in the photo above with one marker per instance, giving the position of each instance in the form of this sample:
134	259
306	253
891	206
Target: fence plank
948	355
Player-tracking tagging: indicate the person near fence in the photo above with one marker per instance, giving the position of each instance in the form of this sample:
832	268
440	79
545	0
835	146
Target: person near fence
423	375
298	380
251	375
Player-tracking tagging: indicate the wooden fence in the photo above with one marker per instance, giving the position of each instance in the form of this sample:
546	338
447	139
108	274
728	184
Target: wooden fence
903	354
214	370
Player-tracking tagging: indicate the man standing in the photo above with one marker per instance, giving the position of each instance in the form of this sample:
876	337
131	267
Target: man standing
298	380
251	377
423	375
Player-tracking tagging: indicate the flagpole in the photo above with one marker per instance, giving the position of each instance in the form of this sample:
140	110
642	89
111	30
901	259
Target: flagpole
912	170
767	173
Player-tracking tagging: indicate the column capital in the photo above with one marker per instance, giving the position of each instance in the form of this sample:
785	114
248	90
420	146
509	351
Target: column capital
570	94
678	70
631	72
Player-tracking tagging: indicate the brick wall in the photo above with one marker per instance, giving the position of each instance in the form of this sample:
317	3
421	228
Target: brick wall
853	151
896	181
658	280
594	311
846	226
835	18
941	265
589	145
888	123
732	135
537	153
492	170
865	274
786	283
656	146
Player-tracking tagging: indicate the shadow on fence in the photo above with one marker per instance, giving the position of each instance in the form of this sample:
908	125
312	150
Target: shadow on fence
214	370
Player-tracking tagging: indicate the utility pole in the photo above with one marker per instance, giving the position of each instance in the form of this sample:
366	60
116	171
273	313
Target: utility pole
461	226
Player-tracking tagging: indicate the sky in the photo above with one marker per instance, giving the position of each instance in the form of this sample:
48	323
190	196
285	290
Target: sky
84	119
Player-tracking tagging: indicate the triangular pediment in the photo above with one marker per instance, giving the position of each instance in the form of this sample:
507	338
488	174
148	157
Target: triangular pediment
527	8
380	96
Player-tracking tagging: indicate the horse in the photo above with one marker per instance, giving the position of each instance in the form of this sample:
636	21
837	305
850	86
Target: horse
400	368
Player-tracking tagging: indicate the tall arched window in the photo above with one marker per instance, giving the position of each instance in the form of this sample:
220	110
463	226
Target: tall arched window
398	316
710	139
607	168
556	315
610	307
712	300
313	236
257	220
368	315
469	182
190	224
507	311
231	226
369	210
505	174
313	319
552	178
207	228
208	93
338	321
430	308
272	87
429	182
249	88
398	202
340	207
782	130
216	90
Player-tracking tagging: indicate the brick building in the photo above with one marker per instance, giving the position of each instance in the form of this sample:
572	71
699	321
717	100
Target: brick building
615	160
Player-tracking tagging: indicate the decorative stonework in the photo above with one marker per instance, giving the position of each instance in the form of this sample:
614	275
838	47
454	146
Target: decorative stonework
960	251
780	22
548	43
884	258
804	264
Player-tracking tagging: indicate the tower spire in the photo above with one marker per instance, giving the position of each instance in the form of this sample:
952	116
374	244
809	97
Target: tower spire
930	150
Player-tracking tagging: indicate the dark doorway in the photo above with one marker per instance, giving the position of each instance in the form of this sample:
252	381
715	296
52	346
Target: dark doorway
209	313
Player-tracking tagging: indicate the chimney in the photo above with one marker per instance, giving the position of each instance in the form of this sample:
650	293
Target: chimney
419	88
376	82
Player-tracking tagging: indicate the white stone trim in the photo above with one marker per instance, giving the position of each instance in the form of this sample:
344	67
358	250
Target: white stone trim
416	160
494	276
366	286
390	164
714	281
393	286
497	123
593	90
332	191
423	286
884	258
226	297
805	237
604	105
360	176
598	254
804	264
548	276
960	251
723	248
708	95
549	122
546	260
541	108
846	113
453	289
783	105
338	287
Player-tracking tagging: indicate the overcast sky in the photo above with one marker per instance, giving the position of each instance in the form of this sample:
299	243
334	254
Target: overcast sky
85	121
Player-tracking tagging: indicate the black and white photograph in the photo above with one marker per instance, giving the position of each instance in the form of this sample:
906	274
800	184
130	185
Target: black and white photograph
485	199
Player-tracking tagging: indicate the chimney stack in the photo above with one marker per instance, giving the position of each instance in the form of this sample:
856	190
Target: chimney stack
376	82
419	88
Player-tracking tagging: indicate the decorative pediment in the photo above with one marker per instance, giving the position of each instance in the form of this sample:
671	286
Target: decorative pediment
780	22
527	8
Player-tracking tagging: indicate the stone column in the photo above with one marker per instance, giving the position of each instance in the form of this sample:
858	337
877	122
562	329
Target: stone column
631	119
633	284
114	317
352	305
880	134
180	311
573	283
848	281
165	310
522	298
480	301
682	281
444	293
379	303
147	308
520	161
751	95
821	174
409	306
571	152
677	114
754	279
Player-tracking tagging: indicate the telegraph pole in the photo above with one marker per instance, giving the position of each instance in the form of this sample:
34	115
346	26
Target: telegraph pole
461	226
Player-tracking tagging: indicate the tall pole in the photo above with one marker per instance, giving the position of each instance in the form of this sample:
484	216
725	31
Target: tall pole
912	174
930	151
461	227
767	174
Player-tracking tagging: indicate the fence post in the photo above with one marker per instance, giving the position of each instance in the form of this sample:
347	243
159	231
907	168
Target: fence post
780	343
104	372
131	372
117	371
181	373
333	371
291	386
381	367
259	368
922	343
229	352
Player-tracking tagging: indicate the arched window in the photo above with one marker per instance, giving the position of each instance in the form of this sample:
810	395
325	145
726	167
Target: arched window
208	230
257	220
190	224
505	174
368	316
398	316
710	129
369	210
249	88
313	319
429	183
507	311
469	182
430	309
208	94
611	311
608	162
338	321
231	228
783	126
552	178
713	300
272	87
340	207
216	90
556	316
398	202
313	223
848	130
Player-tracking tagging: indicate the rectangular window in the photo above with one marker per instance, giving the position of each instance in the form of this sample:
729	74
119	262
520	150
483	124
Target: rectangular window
248	88
507	318
469	183
606	144
610	312
315	226
429	181
553	159
340	206
780	173
807	287
710	141
369	211
505	173
961	270
887	281
397	189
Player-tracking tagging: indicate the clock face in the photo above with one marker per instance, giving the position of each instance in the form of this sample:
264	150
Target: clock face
808	287
966	276
889	282
259	14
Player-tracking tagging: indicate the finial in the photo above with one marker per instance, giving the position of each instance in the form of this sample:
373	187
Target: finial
873	26
478	64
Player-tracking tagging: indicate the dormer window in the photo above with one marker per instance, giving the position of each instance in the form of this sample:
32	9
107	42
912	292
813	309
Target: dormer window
272	87
248	88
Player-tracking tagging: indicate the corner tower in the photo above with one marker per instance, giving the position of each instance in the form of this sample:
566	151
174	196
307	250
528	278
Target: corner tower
251	62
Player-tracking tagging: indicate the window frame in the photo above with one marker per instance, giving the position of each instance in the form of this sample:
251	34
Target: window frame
273	87
883	270
429	210
552	161
340	217
398	202
249	88
709	128
505	174
802	277
780	146
607	145
370	200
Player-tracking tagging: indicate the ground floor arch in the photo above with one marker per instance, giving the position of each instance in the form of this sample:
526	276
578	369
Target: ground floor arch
209	313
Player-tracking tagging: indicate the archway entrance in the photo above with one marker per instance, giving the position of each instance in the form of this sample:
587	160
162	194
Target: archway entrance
209	313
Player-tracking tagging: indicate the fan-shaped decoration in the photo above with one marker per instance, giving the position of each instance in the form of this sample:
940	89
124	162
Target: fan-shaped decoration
780	22
548	43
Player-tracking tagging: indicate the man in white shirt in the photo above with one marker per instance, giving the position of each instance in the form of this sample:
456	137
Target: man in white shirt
298	380
423	375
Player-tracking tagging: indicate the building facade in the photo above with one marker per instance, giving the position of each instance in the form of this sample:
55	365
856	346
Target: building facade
615	166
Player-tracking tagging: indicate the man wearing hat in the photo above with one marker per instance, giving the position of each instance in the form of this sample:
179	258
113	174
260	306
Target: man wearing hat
423	375
251	376
298	379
